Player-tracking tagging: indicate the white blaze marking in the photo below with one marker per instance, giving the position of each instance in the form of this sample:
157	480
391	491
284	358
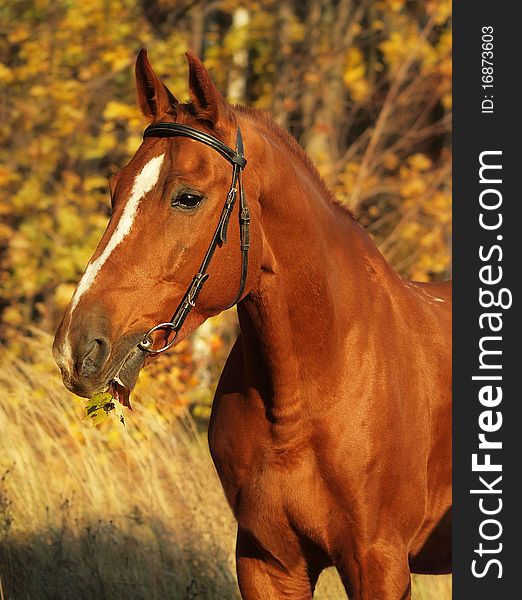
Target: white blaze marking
145	180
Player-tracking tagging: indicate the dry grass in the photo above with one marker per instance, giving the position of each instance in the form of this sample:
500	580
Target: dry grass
110	513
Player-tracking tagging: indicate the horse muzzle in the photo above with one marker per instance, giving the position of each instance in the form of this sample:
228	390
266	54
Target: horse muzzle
91	363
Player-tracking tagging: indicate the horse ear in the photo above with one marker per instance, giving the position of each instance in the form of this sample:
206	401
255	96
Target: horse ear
154	97
208	102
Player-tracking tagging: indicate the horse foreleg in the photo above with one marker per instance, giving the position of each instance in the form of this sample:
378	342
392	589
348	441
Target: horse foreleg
261	577
378	573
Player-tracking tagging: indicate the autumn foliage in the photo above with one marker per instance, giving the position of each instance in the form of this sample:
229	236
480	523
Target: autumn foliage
364	86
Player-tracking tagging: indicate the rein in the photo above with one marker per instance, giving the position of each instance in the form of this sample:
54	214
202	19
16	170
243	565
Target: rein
237	160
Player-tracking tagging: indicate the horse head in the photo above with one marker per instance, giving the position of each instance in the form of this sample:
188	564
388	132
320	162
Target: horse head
167	210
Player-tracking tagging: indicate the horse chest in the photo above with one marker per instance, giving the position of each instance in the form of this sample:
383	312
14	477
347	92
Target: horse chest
275	493
252	470
275	503
239	441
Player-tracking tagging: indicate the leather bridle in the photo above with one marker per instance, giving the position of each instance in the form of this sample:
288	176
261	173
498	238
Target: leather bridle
237	160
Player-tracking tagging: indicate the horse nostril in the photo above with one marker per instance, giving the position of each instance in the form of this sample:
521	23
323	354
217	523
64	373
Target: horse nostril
96	354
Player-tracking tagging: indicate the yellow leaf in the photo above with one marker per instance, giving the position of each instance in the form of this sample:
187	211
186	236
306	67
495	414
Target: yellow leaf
6	74
101	400
99	406
354	76
420	161
391	161
94	182
119	110
63	294
19	34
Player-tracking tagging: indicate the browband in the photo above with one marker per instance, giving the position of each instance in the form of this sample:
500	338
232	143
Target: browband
176	129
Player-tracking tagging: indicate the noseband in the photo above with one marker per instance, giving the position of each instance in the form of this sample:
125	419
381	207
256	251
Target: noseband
237	160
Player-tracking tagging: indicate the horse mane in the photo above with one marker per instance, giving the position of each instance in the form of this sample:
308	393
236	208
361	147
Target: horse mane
264	118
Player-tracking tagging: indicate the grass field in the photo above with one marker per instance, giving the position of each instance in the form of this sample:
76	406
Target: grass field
113	513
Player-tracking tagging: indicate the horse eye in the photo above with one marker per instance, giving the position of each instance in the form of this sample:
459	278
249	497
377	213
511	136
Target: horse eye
187	200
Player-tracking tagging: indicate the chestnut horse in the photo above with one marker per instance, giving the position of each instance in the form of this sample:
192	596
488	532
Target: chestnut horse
331	424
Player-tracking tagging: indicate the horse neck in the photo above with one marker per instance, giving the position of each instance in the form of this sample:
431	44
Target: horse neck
318	267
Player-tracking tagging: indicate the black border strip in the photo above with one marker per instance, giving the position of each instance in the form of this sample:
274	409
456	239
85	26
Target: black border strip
476	132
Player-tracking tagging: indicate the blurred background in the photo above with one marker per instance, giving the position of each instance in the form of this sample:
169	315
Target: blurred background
364	86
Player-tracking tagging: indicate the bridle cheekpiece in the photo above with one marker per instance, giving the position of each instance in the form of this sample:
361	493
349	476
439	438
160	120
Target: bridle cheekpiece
237	160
